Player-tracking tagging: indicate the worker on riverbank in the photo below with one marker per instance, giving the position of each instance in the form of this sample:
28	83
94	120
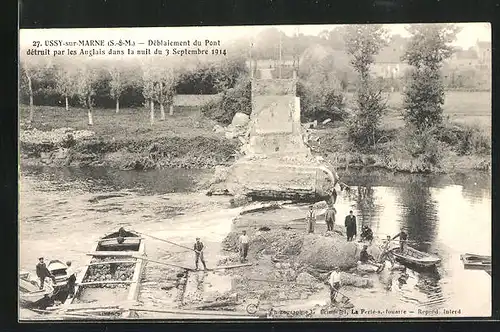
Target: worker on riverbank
403	238
311	219
334	283
366	234
330	218
43	272
350	225
70	271
198	250
243	246
385	254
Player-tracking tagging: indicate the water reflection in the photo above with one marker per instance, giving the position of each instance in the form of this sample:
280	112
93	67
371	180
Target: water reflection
443	215
99	178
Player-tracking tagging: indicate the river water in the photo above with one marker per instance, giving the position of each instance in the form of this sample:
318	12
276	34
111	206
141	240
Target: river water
63	211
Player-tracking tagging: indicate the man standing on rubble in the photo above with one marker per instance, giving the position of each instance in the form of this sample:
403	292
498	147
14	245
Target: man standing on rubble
330	218
311	219
243	246
350	225
198	250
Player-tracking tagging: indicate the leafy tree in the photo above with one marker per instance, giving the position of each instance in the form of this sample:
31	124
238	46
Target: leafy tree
30	71
165	85
86	88
428	47
117	84
362	43
66	86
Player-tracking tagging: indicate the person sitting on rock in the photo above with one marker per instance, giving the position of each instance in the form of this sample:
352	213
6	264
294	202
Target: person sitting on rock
365	257
366	234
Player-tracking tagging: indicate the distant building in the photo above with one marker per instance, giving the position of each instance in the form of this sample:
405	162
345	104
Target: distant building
483	50
462	59
388	63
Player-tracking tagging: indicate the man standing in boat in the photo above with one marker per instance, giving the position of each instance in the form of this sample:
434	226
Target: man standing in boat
350	225
43	272
311	219
198	250
70	271
403	238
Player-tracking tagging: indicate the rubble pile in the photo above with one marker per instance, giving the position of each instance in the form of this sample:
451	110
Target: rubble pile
104	272
273	242
328	252
55	136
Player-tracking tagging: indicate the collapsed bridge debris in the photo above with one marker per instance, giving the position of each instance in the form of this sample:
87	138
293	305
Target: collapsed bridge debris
278	164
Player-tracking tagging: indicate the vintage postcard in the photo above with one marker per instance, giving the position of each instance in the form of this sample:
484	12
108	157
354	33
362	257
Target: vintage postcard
255	172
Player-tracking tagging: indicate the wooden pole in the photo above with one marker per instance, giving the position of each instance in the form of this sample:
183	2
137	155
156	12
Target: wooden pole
230	266
170	242
195	312
107	282
163	263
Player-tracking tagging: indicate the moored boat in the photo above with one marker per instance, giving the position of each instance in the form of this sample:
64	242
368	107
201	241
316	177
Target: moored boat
59	270
473	261
30	294
415	257
111	276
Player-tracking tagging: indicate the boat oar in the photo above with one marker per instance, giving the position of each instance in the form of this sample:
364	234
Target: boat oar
170	242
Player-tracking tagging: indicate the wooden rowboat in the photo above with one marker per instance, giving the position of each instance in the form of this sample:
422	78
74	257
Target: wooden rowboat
473	261
59	270
30	294
111	275
413	256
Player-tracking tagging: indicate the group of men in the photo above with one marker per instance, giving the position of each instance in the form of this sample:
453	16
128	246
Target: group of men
43	272
349	223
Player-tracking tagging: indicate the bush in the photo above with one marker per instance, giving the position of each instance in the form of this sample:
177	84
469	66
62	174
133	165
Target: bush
465	139
234	100
363	126
319	102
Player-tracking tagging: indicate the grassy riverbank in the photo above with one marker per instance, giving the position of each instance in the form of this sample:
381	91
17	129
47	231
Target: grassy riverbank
127	140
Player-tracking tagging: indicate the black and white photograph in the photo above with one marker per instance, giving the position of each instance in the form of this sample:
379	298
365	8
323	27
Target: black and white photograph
255	172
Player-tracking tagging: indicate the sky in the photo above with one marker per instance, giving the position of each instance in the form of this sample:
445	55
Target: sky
471	32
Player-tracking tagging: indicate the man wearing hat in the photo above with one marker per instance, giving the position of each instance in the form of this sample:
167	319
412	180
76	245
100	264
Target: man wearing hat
43	272
350	225
198	249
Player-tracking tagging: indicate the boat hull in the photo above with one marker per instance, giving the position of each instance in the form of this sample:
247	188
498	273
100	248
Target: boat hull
415	257
91	289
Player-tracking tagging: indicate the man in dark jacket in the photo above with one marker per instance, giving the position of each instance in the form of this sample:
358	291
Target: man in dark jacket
43	272
198	249
350	225
403	238
330	218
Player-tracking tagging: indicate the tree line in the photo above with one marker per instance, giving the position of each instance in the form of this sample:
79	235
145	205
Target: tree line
113	83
